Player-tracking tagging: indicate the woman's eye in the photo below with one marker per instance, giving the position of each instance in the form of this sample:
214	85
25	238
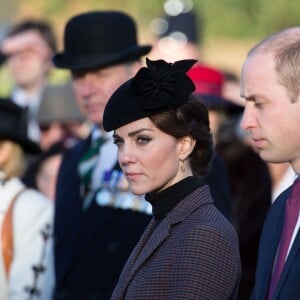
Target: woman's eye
117	142
143	139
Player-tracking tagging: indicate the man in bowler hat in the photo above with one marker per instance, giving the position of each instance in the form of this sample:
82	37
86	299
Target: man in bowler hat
97	220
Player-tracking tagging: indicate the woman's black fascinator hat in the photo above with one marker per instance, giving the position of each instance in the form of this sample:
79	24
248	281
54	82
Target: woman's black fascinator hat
159	87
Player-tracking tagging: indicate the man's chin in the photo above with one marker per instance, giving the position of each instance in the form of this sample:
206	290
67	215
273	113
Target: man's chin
268	157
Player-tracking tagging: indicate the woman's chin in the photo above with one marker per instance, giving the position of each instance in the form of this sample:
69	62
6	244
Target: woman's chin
136	190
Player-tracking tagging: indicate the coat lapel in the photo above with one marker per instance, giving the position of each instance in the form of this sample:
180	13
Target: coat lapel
155	240
68	208
89	223
92	220
287	266
270	255
144	249
127	273
151	240
269	244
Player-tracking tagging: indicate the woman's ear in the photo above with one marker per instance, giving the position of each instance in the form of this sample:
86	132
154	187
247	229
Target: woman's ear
186	147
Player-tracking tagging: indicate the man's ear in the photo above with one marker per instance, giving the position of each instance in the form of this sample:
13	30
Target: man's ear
186	147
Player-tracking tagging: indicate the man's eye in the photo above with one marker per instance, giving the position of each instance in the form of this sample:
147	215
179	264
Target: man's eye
77	75
259	104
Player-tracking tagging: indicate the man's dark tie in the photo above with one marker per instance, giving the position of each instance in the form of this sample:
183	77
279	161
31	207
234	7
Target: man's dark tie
290	219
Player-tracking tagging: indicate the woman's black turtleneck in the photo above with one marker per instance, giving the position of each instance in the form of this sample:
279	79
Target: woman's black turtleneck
162	202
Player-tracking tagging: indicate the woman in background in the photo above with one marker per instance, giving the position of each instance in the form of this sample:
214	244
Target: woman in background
26	269
189	250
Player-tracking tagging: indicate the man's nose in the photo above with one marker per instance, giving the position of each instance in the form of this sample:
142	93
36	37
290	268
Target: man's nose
248	120
85	88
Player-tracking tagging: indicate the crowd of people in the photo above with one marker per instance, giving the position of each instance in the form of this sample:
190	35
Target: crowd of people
149	174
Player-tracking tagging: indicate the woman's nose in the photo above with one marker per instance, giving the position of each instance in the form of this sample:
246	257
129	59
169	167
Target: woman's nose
125	155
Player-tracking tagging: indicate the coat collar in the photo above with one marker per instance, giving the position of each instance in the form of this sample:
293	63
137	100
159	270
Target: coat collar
151	240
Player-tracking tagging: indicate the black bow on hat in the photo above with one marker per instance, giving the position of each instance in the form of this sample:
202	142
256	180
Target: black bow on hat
99	39
13	126
159	87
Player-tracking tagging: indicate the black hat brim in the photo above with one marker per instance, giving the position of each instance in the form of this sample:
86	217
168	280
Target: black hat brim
76	63
27	145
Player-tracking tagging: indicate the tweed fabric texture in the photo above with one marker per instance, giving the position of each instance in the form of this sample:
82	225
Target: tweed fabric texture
192	254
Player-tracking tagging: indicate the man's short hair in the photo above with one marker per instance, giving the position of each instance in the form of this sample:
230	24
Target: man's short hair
284	46
43	27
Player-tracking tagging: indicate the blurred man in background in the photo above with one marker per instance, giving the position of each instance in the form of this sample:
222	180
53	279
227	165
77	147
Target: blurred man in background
28	48
97	221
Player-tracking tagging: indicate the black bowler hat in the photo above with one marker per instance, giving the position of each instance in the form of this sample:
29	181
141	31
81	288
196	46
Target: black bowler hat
159	87
99	39
13	126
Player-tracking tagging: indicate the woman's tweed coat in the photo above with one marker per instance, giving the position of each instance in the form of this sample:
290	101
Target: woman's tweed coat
192	254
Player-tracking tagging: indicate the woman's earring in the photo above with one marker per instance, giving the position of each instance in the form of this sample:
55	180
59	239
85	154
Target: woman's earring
182	166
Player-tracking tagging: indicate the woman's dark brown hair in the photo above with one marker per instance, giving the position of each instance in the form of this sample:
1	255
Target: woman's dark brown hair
190	119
